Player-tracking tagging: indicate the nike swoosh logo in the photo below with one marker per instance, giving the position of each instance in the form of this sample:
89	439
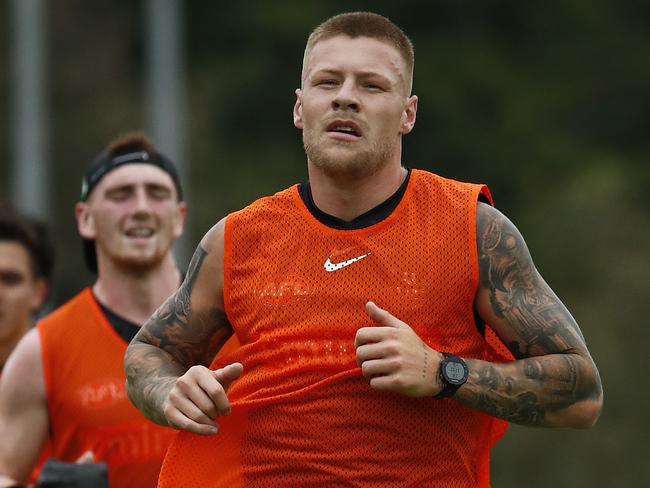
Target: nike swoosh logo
330	266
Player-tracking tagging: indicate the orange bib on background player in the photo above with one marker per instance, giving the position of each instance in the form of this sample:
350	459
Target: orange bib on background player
295	293
83	361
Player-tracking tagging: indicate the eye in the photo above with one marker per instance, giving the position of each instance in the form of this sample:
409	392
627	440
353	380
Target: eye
327	82
159	192
118	194
11	278
374	87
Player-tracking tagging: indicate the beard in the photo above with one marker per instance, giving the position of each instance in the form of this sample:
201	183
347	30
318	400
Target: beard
341	160
140	265
136	263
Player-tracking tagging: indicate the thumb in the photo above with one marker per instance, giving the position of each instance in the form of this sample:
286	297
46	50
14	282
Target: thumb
226	375
382	316
86	458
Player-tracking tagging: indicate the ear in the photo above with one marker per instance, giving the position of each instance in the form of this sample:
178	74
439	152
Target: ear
85	220
297	109
41	290
179	223
408	116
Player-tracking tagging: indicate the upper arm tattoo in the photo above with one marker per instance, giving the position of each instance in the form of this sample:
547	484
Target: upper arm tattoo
539	322
191	336
554	370
176	337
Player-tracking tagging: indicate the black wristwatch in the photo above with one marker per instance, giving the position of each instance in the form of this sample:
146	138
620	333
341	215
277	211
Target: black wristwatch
453	374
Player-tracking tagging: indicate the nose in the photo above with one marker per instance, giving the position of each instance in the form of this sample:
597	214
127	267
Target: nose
142	204
346	97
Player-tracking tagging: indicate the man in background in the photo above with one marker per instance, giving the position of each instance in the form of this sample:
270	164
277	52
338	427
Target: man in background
26	261
66	377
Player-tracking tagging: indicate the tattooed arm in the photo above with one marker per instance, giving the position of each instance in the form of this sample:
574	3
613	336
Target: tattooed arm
166	363
554	381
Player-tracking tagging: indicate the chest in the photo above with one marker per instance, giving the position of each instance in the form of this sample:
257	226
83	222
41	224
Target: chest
301	280
87	377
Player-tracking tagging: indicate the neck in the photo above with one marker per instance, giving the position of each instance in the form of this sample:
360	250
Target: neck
135	296
8	343
348	197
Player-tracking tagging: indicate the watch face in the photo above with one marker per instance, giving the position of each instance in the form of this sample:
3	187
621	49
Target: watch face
455	372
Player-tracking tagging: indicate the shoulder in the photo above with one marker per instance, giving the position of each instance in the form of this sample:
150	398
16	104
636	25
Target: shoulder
268	205
502	250
80	306
213	239
426	176
28	349
23	373
493	225
206	265
208	254
449	190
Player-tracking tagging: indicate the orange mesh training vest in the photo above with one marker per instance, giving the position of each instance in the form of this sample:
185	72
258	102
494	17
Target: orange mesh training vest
295	290
83	364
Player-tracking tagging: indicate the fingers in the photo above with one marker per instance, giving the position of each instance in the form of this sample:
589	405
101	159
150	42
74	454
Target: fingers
197	407
382	317
178	420
388	324
228	374
87	457
199	397
373	350
368	335
378	367
200	387
224	376
385	383
6	481
393	357
386	374
387	329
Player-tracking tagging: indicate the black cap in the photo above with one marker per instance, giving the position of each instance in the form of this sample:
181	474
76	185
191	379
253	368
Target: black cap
104	164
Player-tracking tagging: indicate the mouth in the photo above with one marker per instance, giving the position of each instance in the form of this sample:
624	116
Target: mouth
344	129
140	232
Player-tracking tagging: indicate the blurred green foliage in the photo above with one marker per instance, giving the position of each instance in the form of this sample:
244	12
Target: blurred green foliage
547	102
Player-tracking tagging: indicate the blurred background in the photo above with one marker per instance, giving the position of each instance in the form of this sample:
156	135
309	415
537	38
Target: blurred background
546	102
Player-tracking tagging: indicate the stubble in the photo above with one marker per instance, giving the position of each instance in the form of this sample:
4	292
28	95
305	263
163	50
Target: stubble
341	159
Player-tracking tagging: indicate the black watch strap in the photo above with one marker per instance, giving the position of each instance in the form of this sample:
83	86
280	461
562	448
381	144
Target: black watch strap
453	374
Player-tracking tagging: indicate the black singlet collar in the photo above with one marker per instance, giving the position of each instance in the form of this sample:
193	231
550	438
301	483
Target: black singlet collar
371	217
125	328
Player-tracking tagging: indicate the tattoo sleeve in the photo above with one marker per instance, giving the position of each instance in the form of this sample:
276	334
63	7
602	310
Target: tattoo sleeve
177	336
553	371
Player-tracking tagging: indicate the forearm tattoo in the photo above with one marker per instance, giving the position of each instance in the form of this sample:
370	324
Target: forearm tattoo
175	338
554	369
